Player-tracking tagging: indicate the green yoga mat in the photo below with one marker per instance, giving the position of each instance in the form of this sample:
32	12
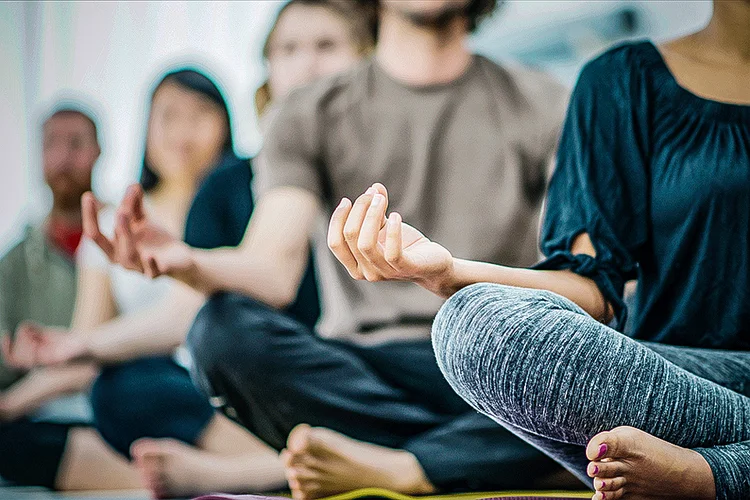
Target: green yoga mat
381	494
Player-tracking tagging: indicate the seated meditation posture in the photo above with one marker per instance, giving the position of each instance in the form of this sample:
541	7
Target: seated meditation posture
46	431
144	402
360	400
653	183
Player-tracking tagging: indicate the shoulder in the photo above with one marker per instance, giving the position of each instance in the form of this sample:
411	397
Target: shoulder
328	95
521	79
231	173
618	68
16	255
525	90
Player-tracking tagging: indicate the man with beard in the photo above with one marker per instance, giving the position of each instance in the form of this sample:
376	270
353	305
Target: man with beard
45	433
38	274
453	134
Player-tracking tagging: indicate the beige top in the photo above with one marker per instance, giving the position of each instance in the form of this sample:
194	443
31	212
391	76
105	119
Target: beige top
465	162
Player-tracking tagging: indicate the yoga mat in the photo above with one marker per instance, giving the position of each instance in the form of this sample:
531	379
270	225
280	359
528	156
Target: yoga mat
381	494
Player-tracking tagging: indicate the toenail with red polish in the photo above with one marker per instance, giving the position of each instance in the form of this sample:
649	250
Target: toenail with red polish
602	450
604	484
596	469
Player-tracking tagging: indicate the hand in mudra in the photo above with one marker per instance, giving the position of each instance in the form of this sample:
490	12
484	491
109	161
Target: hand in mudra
35	345
138	243
374	247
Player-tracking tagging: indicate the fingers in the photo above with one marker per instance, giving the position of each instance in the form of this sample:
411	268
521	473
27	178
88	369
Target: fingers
20	352
90	210
356	236
6	348
380	189
150	268
393	248
368	241
132	203
336	241
125	249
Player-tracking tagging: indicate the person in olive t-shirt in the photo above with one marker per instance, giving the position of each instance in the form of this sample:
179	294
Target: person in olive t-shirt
46	435
453	134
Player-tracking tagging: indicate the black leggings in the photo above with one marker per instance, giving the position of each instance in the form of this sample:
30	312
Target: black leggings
31	452
148	398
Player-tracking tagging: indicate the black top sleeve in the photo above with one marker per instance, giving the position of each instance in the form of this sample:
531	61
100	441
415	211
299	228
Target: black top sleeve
600	183
222	206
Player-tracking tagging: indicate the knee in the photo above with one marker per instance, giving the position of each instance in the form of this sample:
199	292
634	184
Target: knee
237	334
484	325
213	338
118	401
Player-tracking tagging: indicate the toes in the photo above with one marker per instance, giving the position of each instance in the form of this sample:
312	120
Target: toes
605	469
301	474
620	442
304	489
142	447
608	495
599	446
299	439
609	483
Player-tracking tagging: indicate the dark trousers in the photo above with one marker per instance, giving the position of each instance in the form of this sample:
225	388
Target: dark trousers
31	452
275	373
148	398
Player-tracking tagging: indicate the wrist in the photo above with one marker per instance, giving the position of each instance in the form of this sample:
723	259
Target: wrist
188	271
10	406
444	284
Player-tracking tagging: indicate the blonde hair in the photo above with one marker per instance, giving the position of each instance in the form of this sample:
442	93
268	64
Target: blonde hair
359	15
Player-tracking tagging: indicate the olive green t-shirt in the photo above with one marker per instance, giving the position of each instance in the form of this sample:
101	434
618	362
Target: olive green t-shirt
37	283
466	163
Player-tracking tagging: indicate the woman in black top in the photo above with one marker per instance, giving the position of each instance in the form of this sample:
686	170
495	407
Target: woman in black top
652	183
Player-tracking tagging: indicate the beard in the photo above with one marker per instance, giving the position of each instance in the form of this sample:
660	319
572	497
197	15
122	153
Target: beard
67	190
438	20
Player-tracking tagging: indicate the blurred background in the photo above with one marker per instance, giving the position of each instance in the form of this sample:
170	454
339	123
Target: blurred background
113	51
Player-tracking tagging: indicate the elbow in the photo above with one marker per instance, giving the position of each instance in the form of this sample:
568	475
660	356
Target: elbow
282	298
608	313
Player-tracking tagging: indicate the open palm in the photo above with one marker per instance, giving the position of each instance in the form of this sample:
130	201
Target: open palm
374	247
423	257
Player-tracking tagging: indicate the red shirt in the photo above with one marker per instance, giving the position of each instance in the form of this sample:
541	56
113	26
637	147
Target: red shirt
65	236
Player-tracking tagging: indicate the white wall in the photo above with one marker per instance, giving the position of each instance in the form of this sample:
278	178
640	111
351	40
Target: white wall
113	52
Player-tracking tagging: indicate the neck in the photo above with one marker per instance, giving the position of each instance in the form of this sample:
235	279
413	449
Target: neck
729	29
68	214
173	197
421	56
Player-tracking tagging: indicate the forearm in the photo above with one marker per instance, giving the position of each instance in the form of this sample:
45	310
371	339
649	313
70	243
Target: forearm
269	263
159	330
580	289
45	384
272	279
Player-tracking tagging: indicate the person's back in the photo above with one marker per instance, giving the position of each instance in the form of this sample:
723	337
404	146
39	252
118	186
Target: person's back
480	144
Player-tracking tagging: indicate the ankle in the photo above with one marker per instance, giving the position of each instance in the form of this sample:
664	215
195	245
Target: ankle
698	473
411	477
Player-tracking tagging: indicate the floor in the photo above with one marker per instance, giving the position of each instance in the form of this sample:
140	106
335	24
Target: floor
42	494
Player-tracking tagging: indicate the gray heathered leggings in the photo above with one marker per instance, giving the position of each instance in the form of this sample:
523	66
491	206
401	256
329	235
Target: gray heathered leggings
539	365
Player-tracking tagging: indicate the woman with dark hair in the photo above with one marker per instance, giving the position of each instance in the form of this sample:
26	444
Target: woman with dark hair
652	183
131	325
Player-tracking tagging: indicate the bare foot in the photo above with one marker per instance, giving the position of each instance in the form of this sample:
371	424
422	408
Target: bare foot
171	468
320	462
627	463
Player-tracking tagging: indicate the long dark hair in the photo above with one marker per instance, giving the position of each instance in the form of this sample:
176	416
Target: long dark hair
193	80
